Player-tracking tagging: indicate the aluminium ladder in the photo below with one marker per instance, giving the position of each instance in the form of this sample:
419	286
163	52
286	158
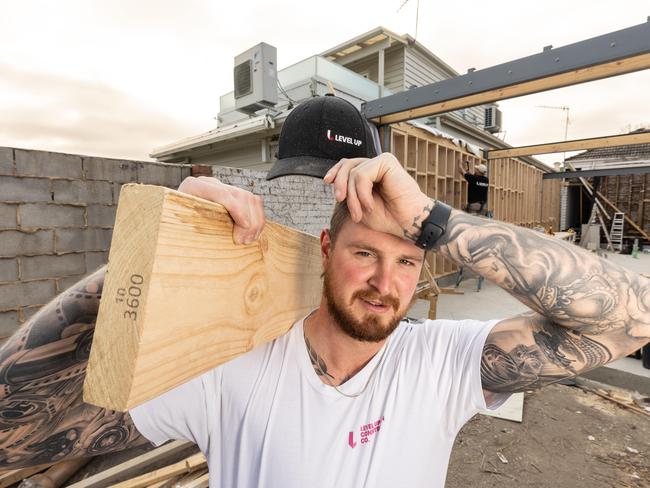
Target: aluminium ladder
616	234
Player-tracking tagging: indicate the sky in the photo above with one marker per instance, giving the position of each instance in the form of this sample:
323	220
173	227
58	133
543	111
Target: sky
118	78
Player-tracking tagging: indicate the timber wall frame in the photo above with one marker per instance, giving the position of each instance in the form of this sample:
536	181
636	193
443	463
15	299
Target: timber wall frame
517	193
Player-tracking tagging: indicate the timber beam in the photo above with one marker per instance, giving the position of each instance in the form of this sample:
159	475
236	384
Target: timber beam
588	173
575	145
616	53
180	297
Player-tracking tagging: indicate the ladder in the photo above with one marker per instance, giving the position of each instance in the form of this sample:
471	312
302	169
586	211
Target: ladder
618	221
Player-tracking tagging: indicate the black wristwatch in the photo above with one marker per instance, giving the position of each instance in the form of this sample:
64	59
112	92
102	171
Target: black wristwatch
434	226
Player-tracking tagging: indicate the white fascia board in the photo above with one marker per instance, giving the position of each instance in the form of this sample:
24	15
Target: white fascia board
238	129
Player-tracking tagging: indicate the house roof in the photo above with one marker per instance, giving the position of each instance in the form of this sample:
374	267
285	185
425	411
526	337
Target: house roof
621	153
379	34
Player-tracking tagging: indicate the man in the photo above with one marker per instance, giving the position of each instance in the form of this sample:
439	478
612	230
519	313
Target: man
477	187
351	395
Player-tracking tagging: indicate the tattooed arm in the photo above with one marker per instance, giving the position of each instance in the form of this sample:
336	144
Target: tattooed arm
587	311
42	416
43	365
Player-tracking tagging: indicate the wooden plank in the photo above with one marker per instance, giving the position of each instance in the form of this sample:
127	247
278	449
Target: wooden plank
575	145
133	466
197	461
200	482
597	72
181	298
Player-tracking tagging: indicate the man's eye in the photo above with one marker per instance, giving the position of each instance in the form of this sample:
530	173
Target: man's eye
363	254
406	262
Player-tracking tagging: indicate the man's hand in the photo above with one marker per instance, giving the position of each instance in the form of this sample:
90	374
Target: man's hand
380	194
246	209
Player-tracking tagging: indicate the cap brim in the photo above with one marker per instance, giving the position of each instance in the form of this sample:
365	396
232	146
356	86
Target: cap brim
302	166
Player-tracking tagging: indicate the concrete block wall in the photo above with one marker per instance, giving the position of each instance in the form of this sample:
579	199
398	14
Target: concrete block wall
57	212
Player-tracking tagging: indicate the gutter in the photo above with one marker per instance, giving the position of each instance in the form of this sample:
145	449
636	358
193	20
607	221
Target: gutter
249	126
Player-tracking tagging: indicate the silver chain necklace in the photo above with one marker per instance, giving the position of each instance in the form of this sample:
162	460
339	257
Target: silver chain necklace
325	375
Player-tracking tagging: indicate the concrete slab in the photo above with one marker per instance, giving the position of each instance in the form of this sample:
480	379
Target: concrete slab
638	265
490	303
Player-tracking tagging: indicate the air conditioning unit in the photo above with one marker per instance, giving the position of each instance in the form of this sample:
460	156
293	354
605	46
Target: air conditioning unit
255	78
492	119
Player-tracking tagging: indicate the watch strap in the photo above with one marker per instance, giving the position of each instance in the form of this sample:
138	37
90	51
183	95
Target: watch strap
434	226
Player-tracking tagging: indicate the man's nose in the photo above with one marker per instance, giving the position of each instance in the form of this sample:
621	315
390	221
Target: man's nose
381	279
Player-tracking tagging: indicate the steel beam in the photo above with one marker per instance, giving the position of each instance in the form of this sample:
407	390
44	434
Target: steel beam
575	145
630	170
616	53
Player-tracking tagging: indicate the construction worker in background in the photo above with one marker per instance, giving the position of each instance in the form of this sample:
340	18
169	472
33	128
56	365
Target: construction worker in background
477	187
353	394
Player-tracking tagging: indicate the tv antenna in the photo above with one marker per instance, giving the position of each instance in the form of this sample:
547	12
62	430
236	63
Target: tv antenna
417	14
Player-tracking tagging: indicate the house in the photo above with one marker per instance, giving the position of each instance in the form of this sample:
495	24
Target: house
367	67
626	191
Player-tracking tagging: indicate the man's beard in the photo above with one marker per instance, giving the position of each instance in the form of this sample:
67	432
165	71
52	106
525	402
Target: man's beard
369	328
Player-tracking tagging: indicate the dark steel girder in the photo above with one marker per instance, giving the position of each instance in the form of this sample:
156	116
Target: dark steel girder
578	62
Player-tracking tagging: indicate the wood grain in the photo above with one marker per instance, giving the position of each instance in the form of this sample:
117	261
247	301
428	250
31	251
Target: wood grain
576	145
181	298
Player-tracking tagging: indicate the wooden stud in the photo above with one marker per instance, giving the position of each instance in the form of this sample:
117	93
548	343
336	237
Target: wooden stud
133	466
197	461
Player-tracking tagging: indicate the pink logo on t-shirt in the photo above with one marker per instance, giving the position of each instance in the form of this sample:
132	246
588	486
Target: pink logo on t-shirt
366	431
351	440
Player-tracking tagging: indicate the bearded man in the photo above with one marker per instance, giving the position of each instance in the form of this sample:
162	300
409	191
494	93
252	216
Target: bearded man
353	394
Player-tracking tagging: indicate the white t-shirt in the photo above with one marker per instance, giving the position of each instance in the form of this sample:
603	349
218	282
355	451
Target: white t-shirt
266	420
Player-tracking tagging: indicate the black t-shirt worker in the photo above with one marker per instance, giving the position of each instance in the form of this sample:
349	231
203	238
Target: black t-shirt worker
477	190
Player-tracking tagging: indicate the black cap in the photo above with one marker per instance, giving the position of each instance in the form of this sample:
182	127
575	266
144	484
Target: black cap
317	134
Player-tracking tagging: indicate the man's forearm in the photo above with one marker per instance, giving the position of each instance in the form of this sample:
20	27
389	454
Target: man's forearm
42	366
568	285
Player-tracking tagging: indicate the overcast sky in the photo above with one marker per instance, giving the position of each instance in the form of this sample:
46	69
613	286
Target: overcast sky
118	78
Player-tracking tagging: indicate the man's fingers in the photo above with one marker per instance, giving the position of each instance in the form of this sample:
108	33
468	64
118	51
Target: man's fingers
253	208
246	209
363	187
353	202
340	182
261	219
331	174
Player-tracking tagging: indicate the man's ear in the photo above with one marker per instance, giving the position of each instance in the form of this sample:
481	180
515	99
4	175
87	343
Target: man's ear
325	245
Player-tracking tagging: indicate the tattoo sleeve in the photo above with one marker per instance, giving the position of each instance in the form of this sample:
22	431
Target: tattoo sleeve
588	310
412	232
42	367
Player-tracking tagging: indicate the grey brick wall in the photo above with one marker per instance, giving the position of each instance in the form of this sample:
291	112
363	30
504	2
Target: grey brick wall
57	213
56	217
